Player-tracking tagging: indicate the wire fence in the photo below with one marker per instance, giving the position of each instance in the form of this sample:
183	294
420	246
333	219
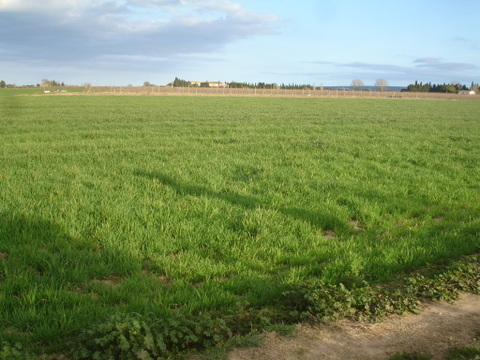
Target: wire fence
325	93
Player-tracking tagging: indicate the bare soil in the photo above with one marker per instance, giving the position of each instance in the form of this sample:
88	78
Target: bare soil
438	327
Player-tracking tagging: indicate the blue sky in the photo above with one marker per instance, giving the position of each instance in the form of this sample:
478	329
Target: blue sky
321	42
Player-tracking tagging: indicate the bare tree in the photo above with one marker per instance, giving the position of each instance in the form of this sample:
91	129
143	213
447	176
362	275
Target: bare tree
474	87
457	85
357	84
381	84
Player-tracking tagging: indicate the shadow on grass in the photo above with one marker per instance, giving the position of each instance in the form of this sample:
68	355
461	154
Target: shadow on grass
52	284
248	202
437	241
320	219
43	274
46	251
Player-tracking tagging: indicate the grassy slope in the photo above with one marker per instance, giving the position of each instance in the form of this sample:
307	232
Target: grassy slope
149	204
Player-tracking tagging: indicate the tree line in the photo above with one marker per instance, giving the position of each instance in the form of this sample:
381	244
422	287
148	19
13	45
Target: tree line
454	87
245	85
46	82
263	85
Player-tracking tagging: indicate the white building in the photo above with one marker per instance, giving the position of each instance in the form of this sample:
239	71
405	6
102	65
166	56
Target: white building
466	92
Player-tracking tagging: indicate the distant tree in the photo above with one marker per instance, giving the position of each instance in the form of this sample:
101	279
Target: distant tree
263	85
148	83
234	84
180	83
46	82
357	84
419	87
474	87
3	84
457	85
444	88
297	86
381	84
453	87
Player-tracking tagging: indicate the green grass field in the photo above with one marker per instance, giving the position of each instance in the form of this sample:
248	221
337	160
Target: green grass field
38	90
214	204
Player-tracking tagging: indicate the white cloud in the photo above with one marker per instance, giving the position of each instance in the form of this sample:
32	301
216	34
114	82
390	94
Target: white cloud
436	64
431	69
71	30
421	64
45	5
427	61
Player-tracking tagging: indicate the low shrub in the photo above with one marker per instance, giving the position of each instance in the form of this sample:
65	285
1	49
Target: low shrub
464	353
365	301
411	356
131	336
15	351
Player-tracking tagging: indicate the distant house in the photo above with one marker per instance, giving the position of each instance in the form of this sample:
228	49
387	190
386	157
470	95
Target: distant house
210	84
466	92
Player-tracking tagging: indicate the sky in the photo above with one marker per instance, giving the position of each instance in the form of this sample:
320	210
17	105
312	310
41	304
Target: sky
320	42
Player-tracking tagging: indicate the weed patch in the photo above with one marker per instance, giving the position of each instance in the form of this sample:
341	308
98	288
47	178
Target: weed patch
411	356
373	302
136	337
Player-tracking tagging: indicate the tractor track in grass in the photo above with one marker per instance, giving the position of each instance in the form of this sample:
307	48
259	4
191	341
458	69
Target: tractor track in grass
438	327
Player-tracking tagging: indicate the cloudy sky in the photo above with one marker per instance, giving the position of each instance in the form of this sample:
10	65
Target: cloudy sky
329	42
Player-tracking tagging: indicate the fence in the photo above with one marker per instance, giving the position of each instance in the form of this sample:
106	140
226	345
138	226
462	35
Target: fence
326	93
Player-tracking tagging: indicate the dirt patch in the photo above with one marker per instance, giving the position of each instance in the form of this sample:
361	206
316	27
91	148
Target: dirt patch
436	328
112	281
355	225
329	234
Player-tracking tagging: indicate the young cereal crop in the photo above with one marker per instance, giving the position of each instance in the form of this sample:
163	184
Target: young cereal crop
185	205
